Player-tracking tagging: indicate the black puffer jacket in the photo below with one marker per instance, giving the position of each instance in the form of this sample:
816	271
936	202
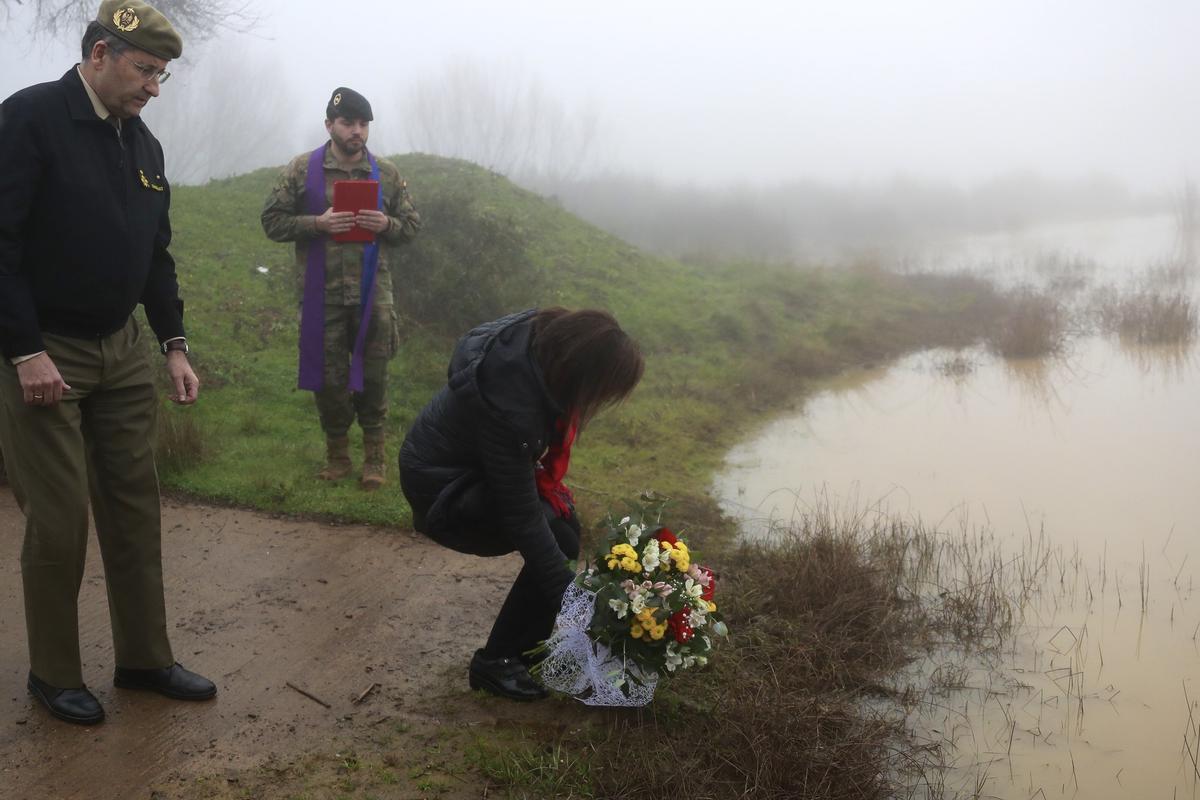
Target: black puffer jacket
480	437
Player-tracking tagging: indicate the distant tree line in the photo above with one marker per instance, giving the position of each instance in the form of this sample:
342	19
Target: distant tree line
809	220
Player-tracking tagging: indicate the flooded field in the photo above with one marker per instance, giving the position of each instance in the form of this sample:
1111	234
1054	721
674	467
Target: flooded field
1075	483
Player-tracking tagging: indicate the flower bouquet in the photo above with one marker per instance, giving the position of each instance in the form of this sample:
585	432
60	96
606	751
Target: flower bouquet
642	609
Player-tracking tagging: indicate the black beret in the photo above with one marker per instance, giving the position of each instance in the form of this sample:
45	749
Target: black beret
349	104
142	25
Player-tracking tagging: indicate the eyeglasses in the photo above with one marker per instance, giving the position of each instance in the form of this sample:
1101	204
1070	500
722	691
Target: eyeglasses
149	73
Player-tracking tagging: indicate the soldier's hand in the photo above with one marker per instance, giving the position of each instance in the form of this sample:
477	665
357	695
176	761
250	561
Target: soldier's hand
372	220
183	378
335	222
41	385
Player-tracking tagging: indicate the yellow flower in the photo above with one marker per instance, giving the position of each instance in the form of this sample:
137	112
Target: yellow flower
623	556
712	606
636	631
657	631
681	557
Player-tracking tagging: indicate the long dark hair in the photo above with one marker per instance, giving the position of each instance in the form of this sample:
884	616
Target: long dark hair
587	361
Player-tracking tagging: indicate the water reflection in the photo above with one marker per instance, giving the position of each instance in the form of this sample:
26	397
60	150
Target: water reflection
1085	465
1169	364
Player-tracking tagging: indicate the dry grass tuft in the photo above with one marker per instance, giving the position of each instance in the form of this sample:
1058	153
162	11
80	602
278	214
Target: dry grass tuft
1148	317
824	617
1034	324
180	445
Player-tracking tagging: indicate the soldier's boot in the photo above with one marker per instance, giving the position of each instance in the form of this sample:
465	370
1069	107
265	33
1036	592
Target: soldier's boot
337	459
373	461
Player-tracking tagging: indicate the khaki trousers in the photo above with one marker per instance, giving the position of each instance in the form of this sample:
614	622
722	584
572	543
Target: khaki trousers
337	406
98	443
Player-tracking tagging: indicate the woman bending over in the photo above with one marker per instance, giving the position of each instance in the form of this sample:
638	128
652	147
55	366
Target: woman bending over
483	463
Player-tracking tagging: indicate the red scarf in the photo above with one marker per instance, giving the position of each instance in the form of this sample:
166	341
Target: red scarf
552	467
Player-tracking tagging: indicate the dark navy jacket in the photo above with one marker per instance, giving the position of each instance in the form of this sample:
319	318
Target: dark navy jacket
84	224
470	455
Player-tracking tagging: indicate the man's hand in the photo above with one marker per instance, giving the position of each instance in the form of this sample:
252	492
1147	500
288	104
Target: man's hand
187	385
335	222
41	384
372	220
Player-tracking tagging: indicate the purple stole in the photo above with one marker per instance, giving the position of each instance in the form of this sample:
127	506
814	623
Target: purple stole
312	312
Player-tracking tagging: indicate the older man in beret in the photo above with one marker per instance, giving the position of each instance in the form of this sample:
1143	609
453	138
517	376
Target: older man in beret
347	328
84	232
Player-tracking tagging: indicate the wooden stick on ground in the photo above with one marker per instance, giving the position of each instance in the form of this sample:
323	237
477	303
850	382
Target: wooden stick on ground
309	695
366	692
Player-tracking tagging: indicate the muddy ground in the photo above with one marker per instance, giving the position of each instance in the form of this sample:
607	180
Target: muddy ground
257	602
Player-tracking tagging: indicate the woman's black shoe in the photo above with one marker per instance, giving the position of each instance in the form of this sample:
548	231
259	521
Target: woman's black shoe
506	677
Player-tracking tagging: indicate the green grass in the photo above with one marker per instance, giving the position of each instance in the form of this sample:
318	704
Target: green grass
724	344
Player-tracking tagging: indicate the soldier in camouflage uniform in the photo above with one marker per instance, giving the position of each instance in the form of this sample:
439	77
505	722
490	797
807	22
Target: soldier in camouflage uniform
285	218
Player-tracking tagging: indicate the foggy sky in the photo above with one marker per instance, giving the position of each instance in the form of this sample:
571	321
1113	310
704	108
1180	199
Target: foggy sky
701	91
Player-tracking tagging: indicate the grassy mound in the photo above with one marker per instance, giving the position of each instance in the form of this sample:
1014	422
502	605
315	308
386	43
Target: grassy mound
723	343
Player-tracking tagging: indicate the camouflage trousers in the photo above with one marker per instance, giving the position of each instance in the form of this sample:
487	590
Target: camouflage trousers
337	406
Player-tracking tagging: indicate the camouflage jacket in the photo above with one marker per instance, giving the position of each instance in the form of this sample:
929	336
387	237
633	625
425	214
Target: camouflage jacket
284	220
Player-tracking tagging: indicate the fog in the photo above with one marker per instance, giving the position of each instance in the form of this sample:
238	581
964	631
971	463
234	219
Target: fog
854	97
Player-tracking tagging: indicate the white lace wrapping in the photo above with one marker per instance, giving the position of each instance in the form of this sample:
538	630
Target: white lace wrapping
587	670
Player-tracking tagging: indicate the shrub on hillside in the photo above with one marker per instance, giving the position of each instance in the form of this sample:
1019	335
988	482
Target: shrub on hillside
468	265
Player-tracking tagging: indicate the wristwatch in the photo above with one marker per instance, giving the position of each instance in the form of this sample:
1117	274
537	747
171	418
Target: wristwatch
175	344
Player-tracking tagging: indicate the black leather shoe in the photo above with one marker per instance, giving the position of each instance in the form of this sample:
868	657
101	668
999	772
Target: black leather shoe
173	681
72	705
506	677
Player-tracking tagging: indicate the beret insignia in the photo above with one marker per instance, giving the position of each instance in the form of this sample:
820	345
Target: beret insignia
337	99
126	20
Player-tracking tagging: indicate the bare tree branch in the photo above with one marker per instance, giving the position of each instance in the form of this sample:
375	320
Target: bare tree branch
497	118
196	19
212	124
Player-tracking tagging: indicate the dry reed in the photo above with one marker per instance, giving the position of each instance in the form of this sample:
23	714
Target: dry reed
801	703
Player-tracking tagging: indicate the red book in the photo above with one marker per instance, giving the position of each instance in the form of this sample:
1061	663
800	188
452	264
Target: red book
355	196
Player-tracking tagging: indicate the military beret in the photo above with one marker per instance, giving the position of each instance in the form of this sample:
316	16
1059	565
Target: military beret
349	104
141	25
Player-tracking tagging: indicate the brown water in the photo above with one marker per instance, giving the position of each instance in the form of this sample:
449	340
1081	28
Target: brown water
1090	463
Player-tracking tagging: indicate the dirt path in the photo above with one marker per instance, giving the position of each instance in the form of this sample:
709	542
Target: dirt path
255	602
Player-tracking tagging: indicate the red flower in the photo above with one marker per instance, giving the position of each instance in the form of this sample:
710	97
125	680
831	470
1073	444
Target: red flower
679	625
707	594
665	535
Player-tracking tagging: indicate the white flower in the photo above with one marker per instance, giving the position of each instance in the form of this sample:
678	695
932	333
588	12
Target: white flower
673	657
634	533
692	591
624	521
702	660
720	630
697	619
637	602
651	556
619	606
689	662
